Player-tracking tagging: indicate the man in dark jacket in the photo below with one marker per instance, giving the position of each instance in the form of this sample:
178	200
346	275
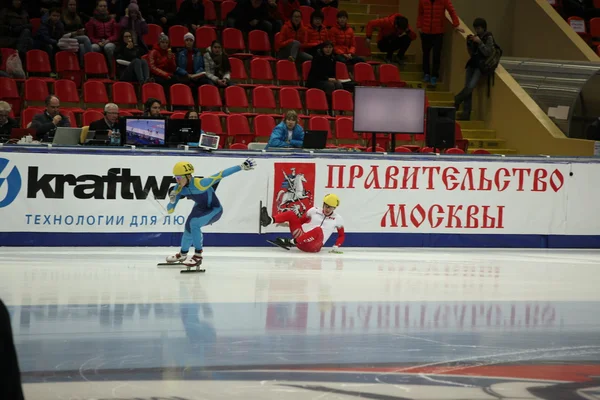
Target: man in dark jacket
45	124
191	14
6	122
109	122
50	32
480	46
249	15
15	29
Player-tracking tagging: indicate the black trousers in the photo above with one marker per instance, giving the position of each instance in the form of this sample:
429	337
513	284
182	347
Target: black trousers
391	43
428	43
10	376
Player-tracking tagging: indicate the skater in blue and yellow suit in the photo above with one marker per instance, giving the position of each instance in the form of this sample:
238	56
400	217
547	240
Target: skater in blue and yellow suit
206	211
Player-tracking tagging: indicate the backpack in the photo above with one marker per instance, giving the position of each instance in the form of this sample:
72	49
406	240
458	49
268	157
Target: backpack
489	64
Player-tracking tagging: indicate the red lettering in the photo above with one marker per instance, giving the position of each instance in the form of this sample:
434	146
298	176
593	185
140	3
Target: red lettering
452	217
394	217
485	184
391	173
521	176
538	184
340	178
435	208
421	214
502	185
356	171
557	180
472	221
373	178
468	180
449	178
406	177
430	171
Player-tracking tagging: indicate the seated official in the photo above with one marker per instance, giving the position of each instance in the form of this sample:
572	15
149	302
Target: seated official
6	122
109	122
45	124
288	133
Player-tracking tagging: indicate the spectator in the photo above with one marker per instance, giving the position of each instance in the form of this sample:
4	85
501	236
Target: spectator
10	379
159	12
249	15
316	33
134	21
291	38
130	65
49	33
161	61
6	122
73	24
103	32
109	122
15	29
191	14
191	115
430	24
190	65
344	44
14	67
287	7
216	65
152	108
394	34
45	124
322	72
319	4
46	5
287	133
480	46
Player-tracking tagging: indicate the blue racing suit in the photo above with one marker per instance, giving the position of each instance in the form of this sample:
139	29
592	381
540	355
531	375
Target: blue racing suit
207	209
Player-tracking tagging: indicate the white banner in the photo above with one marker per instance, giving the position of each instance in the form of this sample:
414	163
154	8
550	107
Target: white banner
98	193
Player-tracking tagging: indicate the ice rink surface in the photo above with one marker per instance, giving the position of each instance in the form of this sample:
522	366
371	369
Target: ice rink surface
266	323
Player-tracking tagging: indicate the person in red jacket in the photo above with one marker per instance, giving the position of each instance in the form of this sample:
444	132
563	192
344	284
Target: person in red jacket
316	33
103	32
161	61
344	44
395	34
290	40
430	24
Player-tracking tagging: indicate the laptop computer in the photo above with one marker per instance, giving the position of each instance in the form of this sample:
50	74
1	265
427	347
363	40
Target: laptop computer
314	139
67	136
98	138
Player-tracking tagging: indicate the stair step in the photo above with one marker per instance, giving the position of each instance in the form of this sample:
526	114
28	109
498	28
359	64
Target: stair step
479	125
487	144
438	103
359	18
356	8
383	10
440	96
495	151
441	87
478	134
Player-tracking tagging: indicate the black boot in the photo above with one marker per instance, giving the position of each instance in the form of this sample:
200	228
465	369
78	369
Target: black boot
265	220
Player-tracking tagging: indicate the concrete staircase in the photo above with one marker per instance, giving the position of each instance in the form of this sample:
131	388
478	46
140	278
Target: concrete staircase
360	12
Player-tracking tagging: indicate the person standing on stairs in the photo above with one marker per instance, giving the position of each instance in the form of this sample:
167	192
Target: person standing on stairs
480	46
430	24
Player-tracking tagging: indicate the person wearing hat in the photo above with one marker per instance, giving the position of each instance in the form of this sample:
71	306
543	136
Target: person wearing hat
134	21
190	65
161	61
191	14
322	71
311	230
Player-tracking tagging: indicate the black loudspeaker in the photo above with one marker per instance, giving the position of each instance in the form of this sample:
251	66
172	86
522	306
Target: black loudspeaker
440	127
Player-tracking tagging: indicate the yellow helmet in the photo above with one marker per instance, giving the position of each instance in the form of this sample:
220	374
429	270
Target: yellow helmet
331	200
183	168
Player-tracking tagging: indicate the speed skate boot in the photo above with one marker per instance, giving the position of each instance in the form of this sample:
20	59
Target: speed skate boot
285	242
195	261
265	220
177	258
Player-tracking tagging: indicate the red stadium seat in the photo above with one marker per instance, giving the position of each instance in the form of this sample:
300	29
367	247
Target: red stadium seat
124	94
238	129
263	126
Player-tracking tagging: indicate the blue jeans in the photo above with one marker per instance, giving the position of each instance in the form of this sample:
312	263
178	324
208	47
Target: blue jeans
193	227
465	96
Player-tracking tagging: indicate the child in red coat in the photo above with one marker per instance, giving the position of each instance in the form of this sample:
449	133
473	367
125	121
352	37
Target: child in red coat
344	44
291	38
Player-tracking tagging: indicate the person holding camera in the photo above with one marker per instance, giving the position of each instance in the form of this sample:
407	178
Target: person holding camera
480	46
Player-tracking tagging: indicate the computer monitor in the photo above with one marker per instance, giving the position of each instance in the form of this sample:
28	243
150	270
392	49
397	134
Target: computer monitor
209	142
144	131
314	139
183	131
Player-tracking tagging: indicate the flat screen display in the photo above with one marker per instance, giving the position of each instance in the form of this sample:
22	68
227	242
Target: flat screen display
389	110
145	131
